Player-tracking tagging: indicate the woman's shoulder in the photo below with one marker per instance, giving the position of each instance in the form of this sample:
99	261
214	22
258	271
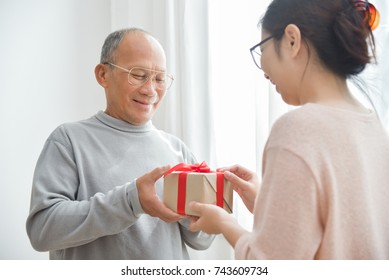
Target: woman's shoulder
299	119
317	124
308	124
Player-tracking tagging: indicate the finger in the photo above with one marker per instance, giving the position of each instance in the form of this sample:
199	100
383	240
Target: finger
193	218
236	181
227	168
158	172
239	170
193	226
236	169
195	206
170	217
165	213
222	169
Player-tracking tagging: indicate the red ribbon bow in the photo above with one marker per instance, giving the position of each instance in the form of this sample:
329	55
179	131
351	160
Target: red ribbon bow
197	168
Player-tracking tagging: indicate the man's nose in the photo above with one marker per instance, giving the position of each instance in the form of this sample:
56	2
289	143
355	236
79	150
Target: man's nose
149	87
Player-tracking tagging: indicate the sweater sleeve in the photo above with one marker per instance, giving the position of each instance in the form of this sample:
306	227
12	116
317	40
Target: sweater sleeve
57	220
287	220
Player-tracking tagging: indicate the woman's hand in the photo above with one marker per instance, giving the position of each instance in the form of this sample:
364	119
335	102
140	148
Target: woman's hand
214	220
245	182
210	220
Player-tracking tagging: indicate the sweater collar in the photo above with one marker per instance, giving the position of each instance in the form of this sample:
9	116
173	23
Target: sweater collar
122	125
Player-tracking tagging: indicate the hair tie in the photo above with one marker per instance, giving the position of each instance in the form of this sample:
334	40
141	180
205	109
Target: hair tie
370	14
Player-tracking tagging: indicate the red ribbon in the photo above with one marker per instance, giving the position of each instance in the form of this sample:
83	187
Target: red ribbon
200	168
197	168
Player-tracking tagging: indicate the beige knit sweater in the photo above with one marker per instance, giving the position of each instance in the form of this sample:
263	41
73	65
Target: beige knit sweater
325	189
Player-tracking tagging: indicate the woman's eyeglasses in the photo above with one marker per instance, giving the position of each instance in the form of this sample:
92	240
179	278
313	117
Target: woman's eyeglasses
256	51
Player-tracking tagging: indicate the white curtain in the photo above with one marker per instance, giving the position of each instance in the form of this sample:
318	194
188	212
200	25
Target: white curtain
243	101
378	75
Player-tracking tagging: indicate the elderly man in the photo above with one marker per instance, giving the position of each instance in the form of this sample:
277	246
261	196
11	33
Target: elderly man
86	202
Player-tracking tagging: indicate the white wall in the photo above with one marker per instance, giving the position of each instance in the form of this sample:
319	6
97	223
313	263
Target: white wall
48	50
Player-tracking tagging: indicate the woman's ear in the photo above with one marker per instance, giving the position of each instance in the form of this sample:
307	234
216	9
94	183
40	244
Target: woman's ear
101	74
292	35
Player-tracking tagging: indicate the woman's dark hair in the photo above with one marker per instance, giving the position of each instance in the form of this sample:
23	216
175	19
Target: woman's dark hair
335	28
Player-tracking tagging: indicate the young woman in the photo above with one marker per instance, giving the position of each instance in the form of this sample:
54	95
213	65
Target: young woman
324	192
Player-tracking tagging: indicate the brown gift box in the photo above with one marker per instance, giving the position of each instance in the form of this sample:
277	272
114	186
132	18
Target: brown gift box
200	187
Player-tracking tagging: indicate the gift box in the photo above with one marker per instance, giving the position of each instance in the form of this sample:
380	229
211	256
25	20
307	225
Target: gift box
185	183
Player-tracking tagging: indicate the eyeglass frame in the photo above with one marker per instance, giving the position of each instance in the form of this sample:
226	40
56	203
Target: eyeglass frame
252	50
146	80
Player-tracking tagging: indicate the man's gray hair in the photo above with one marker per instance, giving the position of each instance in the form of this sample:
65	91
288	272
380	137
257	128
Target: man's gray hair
111	43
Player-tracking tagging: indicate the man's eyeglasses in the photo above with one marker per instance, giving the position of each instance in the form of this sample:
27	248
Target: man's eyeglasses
256	51
138	76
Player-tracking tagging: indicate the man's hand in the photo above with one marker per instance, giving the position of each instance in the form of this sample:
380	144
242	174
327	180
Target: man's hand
148	198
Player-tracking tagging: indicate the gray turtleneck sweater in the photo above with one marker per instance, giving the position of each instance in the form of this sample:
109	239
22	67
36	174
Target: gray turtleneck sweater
84	202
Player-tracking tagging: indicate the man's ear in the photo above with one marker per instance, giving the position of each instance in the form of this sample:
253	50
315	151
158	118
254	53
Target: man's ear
293	38
101	74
